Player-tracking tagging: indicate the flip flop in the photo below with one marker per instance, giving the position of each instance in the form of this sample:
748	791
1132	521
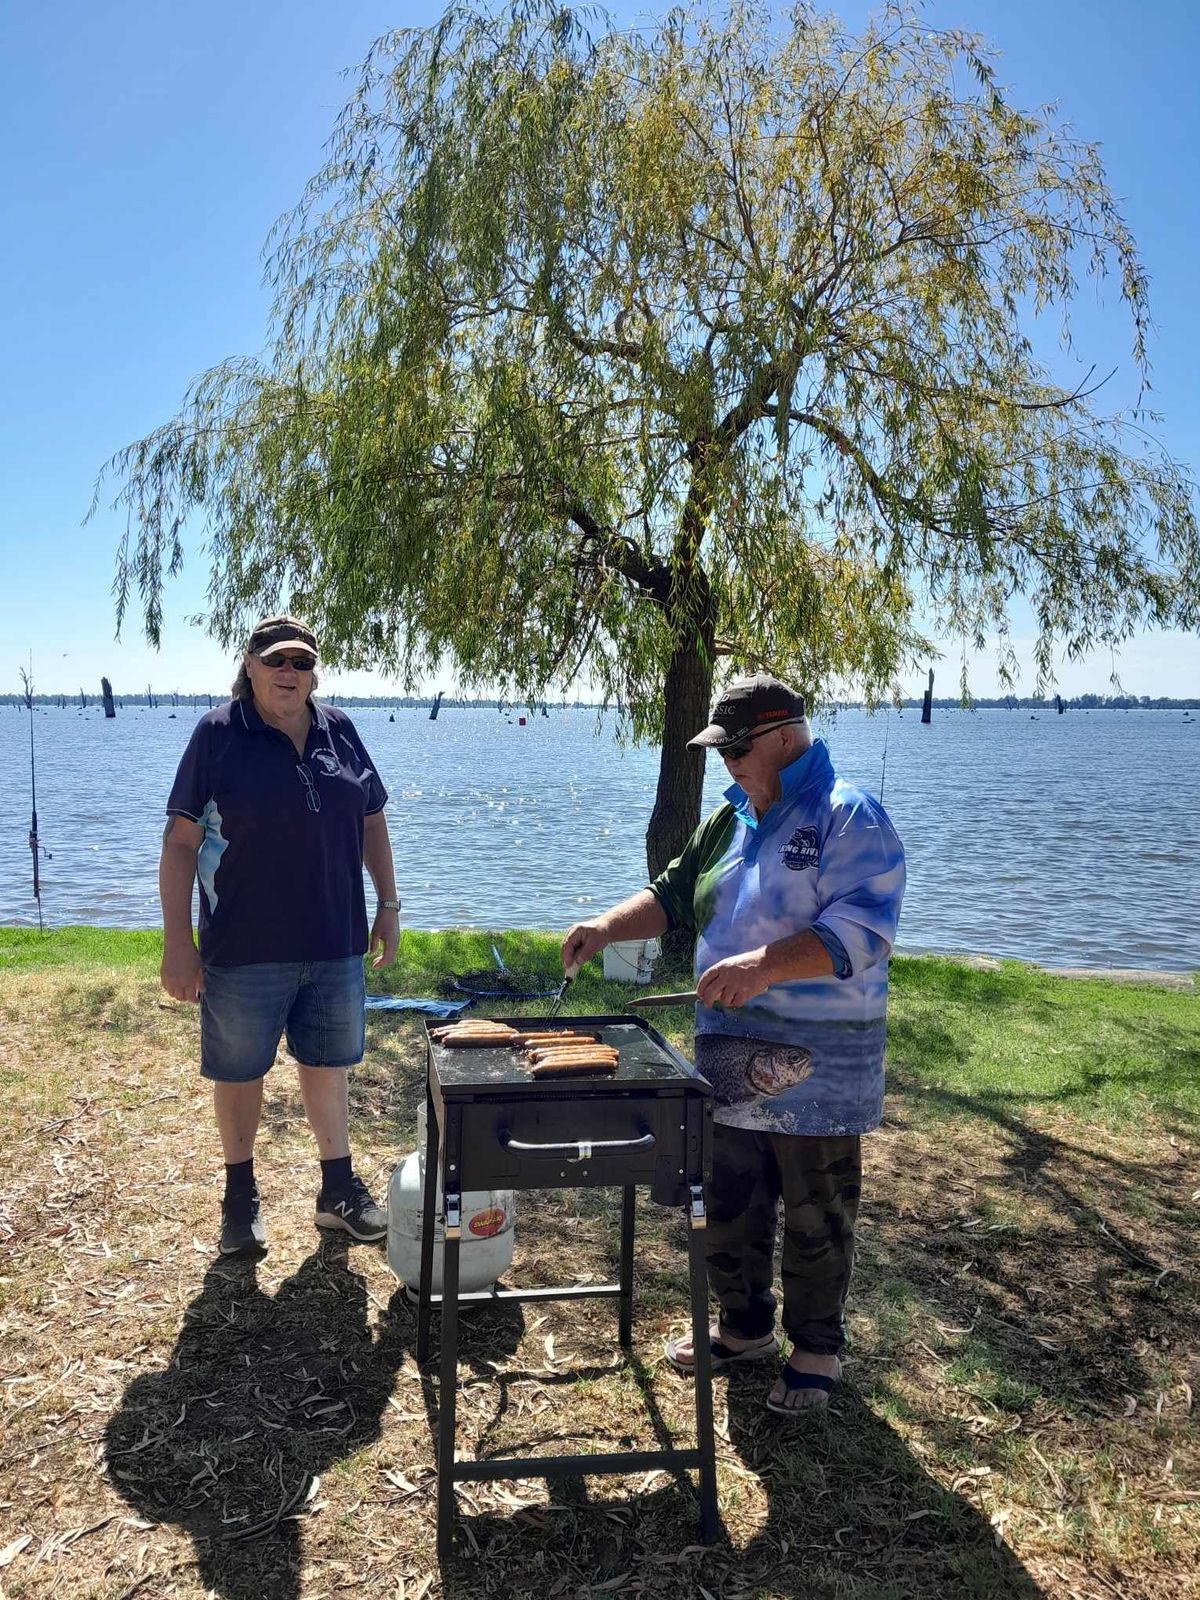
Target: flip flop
815	1383
723	1355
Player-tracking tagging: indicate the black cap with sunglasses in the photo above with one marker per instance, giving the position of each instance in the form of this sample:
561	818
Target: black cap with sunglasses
748	707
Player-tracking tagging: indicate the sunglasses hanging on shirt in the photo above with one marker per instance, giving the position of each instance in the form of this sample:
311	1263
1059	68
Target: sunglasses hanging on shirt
310	788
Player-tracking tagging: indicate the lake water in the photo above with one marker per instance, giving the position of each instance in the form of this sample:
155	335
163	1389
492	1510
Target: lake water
1073	840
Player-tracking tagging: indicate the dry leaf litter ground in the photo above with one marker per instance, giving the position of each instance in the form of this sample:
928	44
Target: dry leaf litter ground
1017	1417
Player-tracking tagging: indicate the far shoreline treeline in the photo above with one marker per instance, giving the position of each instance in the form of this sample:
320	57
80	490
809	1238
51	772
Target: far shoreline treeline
174	698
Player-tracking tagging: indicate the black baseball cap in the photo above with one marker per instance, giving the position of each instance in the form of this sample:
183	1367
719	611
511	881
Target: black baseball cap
281	633
749	706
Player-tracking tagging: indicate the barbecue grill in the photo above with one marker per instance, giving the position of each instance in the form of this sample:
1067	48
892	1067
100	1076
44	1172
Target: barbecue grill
491	1125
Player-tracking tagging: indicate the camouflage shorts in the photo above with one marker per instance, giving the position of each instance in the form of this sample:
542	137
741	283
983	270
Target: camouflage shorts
818	1180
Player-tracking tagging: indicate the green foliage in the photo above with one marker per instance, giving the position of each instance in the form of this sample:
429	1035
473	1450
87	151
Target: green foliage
709	337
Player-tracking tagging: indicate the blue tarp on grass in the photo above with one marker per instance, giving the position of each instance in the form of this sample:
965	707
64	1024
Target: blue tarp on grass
427	1008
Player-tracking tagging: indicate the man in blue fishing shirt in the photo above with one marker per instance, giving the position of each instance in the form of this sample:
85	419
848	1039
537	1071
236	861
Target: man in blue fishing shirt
793	888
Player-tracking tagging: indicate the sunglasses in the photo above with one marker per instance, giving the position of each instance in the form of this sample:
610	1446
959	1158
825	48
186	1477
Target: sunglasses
297	663
735	752
310	788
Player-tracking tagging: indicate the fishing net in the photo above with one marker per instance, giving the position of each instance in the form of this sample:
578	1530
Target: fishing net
506	983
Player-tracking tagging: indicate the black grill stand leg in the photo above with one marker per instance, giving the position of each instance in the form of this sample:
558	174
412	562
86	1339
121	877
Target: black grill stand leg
428	1209
625	1324
698	1273
452	1187
448	1387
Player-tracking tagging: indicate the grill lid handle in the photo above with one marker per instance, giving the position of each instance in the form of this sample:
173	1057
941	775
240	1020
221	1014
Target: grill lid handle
577	1149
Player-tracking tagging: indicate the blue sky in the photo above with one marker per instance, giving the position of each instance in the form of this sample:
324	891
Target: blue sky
152	146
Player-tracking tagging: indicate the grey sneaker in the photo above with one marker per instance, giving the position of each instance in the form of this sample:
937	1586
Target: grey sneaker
242	1231
355	1212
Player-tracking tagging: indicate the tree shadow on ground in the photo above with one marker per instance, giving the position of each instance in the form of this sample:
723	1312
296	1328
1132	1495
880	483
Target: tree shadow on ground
263	1393
1050	1271
836	1507
487	1336
920	1051
1070	1292
851	1511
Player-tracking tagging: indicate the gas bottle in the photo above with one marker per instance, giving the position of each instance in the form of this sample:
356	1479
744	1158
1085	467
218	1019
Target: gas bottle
486	1244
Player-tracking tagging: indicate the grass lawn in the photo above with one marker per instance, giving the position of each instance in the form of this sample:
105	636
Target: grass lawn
1017	1416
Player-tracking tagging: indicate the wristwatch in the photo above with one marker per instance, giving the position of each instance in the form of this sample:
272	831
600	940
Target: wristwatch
387	905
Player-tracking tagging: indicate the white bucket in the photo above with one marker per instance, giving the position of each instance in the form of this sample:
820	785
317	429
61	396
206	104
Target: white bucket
630	960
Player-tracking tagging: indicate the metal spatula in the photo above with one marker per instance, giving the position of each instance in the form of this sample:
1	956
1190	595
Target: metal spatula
568	979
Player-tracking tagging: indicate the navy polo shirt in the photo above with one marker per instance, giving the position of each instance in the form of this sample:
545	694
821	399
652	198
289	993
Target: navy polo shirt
280	864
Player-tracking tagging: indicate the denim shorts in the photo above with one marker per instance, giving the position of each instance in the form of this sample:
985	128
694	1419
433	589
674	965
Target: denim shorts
244	1011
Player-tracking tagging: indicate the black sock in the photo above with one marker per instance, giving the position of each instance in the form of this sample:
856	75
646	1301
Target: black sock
239	1178
335	1176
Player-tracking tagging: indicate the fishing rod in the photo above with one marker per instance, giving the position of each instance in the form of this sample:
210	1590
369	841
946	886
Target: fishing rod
887	723
27	680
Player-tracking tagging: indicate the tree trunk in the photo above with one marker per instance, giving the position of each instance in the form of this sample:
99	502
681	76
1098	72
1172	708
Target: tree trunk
687	695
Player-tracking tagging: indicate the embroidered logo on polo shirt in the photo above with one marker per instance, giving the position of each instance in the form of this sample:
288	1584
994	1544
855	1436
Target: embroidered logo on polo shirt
327	761
801	850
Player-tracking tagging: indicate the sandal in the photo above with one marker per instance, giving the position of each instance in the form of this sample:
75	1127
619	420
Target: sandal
723	1355
814	1385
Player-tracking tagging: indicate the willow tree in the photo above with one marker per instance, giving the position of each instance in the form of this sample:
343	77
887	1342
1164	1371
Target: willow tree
620	354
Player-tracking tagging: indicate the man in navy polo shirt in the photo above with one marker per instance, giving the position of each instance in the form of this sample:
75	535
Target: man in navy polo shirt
277	808
793	888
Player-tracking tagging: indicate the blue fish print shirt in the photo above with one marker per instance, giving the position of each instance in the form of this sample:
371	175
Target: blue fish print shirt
805	1057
